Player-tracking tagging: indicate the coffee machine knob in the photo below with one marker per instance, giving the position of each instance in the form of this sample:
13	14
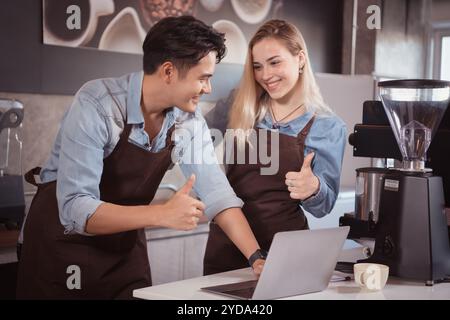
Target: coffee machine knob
388	246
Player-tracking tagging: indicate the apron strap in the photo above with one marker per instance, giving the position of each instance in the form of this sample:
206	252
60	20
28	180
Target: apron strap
126	131
169	140
123	138
302	135
30	176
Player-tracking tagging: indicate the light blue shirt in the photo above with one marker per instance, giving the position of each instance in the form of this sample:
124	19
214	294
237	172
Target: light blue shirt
91	129
327	138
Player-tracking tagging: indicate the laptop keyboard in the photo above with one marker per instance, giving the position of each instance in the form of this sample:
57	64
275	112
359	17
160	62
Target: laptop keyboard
243	289
345	267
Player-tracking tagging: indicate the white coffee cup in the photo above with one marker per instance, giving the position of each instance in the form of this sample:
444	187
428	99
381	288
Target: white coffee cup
53	33
211	5
251	12
234	40
124	33
371	276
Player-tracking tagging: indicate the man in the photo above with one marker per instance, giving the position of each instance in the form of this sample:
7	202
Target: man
111	152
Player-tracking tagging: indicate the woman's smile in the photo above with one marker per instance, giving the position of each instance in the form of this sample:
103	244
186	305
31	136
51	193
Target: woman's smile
272	85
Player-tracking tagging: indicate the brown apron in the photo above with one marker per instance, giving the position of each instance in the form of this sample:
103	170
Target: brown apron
268	206
111	266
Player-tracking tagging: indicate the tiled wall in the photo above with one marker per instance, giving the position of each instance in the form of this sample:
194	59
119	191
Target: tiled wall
43	114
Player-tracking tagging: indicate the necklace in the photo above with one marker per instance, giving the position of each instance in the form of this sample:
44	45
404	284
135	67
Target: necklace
276	124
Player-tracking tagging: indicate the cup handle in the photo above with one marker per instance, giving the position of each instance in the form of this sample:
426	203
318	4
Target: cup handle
361	278
102	8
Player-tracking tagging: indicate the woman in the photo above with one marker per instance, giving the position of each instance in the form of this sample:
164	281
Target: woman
278	92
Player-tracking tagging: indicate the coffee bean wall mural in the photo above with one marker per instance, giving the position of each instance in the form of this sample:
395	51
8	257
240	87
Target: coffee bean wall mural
121	26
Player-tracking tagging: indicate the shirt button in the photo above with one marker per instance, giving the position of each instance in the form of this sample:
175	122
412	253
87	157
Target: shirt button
147	145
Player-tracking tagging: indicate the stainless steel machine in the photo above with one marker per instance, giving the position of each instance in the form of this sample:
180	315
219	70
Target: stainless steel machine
403	207
12	200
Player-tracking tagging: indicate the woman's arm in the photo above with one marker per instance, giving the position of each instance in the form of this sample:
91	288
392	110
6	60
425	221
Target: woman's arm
327	140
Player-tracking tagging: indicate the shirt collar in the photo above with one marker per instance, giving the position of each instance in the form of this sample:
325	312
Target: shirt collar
134	112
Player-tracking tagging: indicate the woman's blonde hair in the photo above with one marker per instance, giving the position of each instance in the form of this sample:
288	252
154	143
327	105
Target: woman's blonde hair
251	101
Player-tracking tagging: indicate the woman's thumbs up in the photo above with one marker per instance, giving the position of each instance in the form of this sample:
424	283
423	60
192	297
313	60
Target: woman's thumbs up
303	184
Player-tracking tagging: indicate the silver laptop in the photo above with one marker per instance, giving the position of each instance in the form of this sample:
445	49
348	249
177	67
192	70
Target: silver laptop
299	262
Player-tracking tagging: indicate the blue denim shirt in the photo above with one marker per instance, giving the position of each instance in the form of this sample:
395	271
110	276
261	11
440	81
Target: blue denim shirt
91	129
326	138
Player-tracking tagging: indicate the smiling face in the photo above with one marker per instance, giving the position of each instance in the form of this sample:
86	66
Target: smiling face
275	69
186	90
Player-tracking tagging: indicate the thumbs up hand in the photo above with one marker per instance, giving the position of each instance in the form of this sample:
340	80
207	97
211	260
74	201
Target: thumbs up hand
182	212
304	183
188	185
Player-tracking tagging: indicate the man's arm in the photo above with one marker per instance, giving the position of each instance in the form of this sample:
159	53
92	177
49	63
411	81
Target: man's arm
180	212
215	191
84	136
235	225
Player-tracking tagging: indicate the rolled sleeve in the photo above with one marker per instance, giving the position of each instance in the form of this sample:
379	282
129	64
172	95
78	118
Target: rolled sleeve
220	200
198	157
321	203
81	209
83	137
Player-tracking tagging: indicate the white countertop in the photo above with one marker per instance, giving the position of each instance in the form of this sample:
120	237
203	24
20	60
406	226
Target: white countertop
395	289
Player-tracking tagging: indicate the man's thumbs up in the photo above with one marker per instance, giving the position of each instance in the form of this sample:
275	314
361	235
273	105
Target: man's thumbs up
303	184
188	185
182	212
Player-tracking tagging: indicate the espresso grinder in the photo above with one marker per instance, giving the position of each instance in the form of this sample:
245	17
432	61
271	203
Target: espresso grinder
12	200
408	220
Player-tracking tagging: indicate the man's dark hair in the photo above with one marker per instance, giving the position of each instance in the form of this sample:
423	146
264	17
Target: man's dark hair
184	41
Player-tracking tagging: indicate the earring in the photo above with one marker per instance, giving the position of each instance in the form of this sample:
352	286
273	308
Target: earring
300	71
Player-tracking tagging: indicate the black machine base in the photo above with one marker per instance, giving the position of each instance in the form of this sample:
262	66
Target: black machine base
412	233
12	200
358	228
